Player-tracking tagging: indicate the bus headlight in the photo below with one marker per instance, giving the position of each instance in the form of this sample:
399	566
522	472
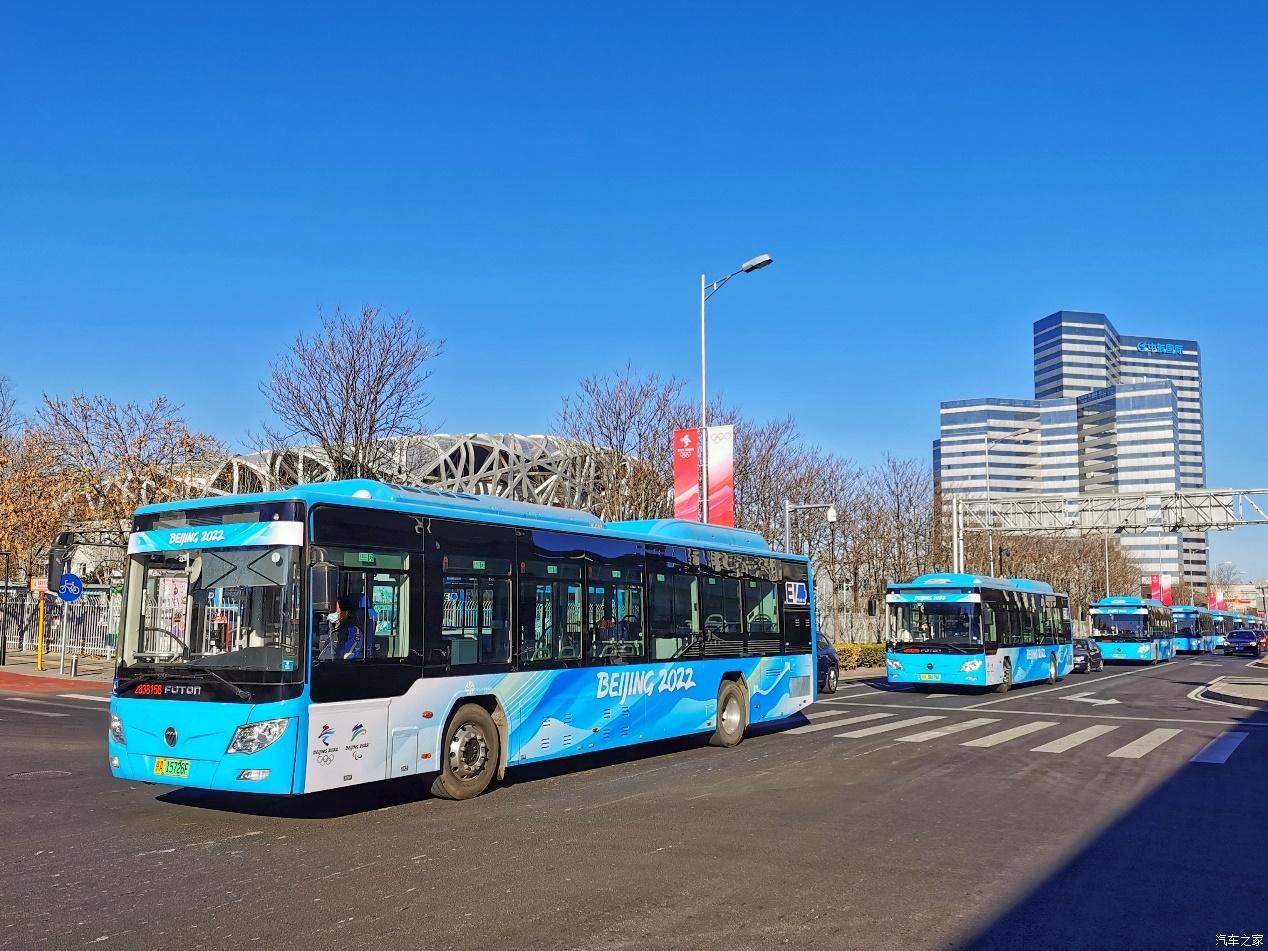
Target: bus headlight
969	666
253	737
116	730
893	664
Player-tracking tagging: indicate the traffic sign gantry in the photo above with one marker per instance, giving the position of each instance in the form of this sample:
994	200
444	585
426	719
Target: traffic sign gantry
71	588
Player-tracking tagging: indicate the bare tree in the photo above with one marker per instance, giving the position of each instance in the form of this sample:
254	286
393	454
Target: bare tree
1225	574
37	500
114	457
353	387
9	421
624	424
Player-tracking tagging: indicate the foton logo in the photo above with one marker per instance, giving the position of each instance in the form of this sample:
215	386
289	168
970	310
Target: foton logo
182	690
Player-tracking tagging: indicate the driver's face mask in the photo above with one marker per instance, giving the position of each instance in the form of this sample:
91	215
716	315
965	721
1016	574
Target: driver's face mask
331	618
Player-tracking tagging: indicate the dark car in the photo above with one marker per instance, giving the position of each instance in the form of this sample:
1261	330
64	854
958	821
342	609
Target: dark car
1244	642
1087	656
829	666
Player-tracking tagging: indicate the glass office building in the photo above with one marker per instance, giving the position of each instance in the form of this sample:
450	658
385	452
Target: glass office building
1111	413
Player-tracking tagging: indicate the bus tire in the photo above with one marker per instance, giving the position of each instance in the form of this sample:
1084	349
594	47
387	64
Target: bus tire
470	754
732	718
830	680
1007	682
1052	668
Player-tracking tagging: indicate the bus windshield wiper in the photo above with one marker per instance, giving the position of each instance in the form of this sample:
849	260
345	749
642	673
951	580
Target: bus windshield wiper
241	694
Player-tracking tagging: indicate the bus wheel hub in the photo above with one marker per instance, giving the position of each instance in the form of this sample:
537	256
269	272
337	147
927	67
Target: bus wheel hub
468	752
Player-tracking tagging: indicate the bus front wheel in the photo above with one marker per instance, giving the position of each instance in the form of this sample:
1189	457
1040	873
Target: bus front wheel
1007	681
732	715
470	754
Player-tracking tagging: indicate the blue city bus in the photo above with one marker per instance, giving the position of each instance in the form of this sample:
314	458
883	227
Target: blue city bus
1133	629
1195	629
972	631
347	632
1223	623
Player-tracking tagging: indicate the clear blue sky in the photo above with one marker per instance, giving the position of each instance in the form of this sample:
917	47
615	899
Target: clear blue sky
541	185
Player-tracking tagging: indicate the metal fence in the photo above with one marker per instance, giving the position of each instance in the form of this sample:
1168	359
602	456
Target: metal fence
87	627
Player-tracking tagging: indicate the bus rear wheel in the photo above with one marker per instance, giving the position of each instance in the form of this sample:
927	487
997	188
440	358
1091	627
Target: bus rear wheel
470	754
1007	681
732	715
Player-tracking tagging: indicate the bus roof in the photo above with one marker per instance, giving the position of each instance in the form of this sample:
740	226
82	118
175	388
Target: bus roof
1127	603
974	581
444	503
1190	609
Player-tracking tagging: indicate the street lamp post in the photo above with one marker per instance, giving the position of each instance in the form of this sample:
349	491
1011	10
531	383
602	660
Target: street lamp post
8	603
707	290
990	518
789	508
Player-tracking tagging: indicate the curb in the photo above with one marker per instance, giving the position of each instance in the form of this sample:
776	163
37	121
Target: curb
1215	693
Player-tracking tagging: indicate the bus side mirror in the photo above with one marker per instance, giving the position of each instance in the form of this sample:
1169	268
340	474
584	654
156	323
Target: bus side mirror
324	587
57	565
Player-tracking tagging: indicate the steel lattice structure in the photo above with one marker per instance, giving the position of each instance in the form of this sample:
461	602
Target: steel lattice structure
548	470
1185	510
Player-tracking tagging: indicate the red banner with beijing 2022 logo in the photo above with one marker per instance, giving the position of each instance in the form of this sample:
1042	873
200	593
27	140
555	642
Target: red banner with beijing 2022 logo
687	474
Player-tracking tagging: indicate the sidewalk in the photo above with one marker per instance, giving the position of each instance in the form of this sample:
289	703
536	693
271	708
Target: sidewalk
862	673
19	673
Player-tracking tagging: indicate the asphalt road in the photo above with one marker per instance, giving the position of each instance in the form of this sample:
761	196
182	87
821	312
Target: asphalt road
1045	818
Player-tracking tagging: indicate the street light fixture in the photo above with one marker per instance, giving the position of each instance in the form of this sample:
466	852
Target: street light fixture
990	520
707	290
789	508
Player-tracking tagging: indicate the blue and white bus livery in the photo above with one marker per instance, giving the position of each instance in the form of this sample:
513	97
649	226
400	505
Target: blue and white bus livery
972	631
1195	629
347	632
1138	630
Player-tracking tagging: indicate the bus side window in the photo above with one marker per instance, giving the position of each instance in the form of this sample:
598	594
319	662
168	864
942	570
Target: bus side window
673	617
990	636
761	617
469	572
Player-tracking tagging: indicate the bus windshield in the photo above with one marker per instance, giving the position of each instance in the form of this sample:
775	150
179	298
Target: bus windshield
938	623
1187	625
1121	626
221	608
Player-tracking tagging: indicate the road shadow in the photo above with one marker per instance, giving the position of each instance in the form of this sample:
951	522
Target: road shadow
390	793
1181	868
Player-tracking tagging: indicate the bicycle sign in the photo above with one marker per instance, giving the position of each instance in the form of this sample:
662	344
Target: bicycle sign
71	588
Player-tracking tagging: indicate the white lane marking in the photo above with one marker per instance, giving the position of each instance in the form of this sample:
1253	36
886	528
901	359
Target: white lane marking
1003	736
1068	716
84	696
1087	697
53	703
833	724
1077	738
886	727
820	714
1146	744
33	713
939	732
1220	749
1099	680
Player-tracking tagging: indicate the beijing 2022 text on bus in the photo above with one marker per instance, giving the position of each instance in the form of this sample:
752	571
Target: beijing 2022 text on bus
1133	629
973	631
348	632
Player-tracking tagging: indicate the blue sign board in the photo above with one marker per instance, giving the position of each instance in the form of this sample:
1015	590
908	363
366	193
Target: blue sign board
71	588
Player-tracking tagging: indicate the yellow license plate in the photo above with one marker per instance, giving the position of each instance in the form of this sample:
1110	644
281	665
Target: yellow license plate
931	676
176	768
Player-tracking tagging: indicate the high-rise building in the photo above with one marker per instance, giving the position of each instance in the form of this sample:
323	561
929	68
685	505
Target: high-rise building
1111	414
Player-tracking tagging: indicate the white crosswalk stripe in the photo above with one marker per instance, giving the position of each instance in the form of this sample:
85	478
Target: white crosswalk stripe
1221	748
887	727
1077	738
833	724
1003	736
820	714
1146	744
85	696
938	732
